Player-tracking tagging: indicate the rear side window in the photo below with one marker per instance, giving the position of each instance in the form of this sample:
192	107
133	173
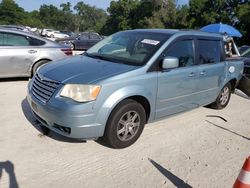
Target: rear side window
35	42
209	51
94	36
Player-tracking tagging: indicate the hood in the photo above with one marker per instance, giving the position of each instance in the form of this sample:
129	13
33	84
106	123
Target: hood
82	70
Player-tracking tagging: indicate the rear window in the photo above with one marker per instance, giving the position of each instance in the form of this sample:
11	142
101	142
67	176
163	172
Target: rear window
209	51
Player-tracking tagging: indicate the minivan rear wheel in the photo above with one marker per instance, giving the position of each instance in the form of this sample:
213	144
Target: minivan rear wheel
125	124
223	98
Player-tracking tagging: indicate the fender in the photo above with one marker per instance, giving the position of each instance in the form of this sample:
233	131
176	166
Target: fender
118	96
233	68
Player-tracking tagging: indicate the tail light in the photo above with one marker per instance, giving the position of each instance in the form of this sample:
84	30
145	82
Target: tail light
67	51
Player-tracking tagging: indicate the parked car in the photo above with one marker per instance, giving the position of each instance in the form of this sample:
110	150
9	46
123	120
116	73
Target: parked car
22	53
83	41
56	34
69	33
243	48
44	32
20	28
132	78
246	57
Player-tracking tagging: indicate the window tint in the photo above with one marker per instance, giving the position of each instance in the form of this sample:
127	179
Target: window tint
35	42
183	50
11	39
84	36
94	36
209	51
1	39
15	40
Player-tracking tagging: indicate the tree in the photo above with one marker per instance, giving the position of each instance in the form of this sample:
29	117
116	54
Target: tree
89	17
243	15
11	13
122	15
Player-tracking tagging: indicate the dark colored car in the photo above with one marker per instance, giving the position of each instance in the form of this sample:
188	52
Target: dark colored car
243	48
246	56
83	41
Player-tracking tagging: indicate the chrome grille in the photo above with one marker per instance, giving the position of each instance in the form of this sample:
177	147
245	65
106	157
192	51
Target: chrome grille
43	88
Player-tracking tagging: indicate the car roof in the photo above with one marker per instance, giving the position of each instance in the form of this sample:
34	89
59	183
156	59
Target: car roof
180	32
48	42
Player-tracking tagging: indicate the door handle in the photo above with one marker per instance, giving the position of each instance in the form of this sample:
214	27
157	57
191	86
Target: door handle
202	73
191	74
32	51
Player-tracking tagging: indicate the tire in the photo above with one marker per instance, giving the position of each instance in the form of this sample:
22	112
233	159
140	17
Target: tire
72	46
223	98
51	36
45	130
125	124
37	66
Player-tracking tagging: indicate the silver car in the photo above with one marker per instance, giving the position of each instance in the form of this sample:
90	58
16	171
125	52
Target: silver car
22	53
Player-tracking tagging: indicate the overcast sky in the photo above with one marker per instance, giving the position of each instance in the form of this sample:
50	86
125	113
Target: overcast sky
30	5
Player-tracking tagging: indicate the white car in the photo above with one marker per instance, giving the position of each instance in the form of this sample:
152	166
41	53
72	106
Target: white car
56	34
45	32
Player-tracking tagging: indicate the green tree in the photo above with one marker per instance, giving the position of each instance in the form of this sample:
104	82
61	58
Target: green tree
11	13
122	16
89	17
243	15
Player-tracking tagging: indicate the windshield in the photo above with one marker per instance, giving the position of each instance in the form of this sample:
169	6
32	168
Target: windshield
129	47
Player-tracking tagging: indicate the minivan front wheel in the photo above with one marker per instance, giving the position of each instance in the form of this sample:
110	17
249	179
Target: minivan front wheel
223	98
125	124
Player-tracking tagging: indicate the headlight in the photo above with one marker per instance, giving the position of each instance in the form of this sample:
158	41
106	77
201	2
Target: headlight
80	93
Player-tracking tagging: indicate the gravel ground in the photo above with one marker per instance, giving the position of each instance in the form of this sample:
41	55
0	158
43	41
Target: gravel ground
187	150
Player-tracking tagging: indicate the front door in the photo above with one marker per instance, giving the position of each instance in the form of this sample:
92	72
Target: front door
177	88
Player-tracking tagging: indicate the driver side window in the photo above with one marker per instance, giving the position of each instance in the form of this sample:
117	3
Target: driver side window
184	51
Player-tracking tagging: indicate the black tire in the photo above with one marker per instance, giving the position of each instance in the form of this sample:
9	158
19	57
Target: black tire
37	65
45	130
125	124
223	98
72	46
51	36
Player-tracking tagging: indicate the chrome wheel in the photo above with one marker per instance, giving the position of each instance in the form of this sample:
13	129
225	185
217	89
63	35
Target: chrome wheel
224	96
128	125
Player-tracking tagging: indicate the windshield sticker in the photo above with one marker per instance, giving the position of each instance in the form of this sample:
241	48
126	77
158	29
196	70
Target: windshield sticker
149	41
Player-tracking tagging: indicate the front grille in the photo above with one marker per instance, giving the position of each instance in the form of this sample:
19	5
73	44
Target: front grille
43	88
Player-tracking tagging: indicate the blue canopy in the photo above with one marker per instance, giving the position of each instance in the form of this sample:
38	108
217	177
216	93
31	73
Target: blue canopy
222	28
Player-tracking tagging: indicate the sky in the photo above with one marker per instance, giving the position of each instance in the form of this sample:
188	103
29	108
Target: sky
30	5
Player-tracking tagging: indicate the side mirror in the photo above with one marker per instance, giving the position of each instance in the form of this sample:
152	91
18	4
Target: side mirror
170	63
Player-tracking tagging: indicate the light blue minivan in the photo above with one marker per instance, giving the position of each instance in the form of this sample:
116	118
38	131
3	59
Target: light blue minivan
132	78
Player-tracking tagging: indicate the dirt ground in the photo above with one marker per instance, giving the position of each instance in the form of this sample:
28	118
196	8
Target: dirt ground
187	150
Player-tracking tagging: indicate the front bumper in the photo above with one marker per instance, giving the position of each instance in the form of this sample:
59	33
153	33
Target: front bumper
68	119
